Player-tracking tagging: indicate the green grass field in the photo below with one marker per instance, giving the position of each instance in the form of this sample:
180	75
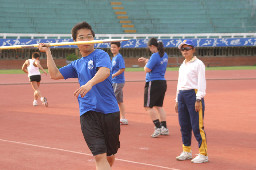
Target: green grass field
141	69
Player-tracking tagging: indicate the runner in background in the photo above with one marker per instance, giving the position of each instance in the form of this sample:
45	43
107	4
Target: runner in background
31	67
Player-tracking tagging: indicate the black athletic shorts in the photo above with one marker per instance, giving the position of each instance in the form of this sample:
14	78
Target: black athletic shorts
154	93
36	78
101	132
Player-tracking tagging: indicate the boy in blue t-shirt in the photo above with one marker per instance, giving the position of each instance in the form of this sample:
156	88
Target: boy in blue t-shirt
99	112
118	68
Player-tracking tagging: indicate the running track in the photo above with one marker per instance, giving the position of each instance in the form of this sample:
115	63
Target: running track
50	138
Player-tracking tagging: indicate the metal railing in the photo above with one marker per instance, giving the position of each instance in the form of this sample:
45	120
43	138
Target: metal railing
131	36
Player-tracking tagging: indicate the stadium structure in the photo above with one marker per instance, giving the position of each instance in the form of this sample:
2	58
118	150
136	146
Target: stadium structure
224	31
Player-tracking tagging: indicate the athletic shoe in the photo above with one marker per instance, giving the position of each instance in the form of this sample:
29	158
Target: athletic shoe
44	101
156	133
200	159
35	103
184	156
164	131
123	121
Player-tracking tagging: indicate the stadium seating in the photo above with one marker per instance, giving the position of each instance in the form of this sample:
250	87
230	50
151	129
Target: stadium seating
57	16
134	16
196	16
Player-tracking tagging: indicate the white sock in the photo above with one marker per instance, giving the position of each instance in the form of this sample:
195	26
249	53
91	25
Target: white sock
35	100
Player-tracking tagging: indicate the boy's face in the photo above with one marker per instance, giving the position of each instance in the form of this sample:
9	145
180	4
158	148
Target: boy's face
114	49
85	35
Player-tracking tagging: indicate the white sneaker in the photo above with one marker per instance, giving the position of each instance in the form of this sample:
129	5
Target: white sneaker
164	131
44	101
200	159
156	133
35	103
184	156
123	121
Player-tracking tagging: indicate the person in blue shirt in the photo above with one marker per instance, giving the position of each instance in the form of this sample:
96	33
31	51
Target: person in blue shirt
118	68
99	112
156	86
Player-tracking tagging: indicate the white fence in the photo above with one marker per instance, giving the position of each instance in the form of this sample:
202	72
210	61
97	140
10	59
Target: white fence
132	36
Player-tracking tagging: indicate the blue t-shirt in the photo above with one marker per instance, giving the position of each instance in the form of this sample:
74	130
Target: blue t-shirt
117	64
101	97
158	67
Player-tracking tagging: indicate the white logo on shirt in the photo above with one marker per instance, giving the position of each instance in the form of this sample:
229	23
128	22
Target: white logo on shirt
165	60
90	64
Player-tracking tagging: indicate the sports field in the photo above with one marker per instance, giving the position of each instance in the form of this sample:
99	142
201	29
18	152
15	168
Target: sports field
50	138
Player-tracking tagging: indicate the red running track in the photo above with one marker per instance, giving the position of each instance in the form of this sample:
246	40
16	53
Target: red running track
50	138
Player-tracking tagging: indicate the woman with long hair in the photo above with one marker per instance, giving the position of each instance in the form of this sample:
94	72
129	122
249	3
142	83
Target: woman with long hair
155	87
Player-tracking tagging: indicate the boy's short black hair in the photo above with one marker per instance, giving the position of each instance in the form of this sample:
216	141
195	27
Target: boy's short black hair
81	25
35	54
116	43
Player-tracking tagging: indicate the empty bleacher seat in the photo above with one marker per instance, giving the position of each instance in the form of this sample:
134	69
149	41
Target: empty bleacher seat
147	16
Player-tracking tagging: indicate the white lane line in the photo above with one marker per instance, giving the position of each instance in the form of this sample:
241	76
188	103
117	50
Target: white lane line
82	153
146	164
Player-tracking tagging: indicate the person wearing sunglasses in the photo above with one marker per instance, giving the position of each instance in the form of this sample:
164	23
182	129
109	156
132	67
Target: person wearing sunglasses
190	104
155	87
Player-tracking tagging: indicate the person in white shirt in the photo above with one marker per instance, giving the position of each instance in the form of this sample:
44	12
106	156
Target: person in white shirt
31	67
190	104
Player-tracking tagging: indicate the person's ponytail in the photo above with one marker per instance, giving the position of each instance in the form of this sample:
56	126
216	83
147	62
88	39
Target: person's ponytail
160	48
158	44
